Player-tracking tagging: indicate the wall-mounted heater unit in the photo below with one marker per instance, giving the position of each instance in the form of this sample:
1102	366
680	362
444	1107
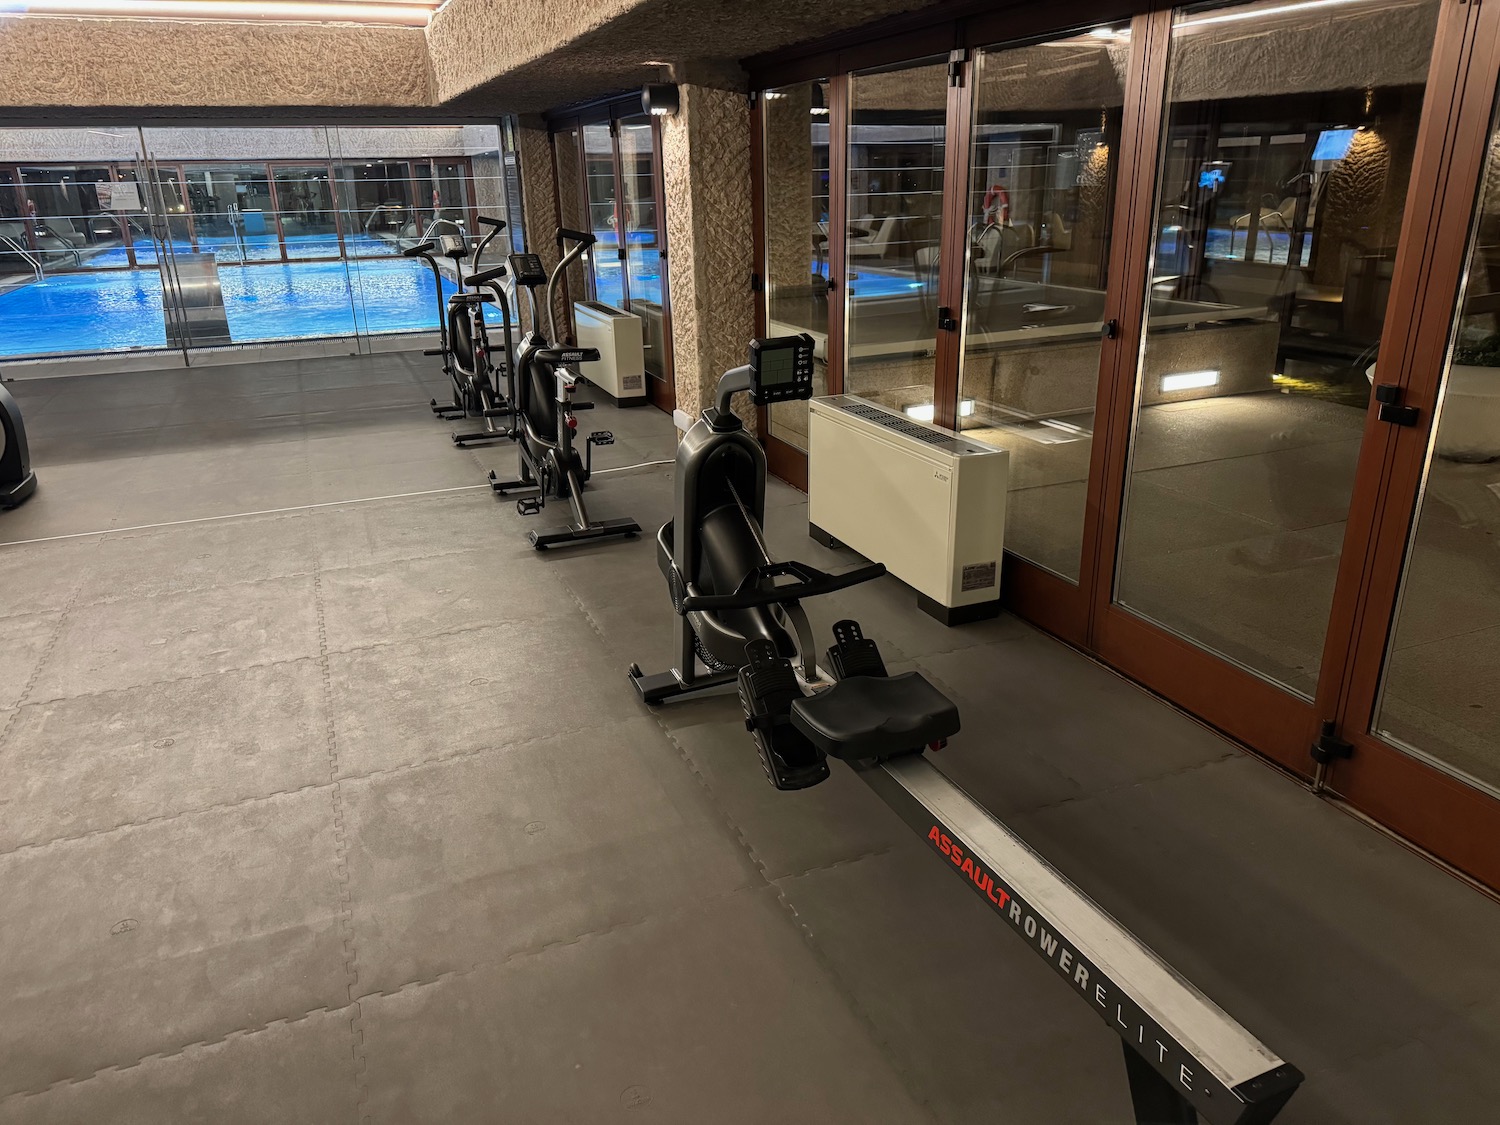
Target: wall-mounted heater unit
621	370
929	505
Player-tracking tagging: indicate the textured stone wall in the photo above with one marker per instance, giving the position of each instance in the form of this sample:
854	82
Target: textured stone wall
540	196
64	62
706	160
570	196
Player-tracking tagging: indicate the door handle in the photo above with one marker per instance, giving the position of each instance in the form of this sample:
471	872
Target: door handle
1109	329
1389	397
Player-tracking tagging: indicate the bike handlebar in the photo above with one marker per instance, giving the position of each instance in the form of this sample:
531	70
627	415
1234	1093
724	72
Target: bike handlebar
420	250
486	221
582	237
488	275
811	583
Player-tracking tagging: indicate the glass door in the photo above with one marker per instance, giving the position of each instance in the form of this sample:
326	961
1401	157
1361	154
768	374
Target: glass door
795	190
604	204
1037	241
1419	712
1280	196
645	254
897	142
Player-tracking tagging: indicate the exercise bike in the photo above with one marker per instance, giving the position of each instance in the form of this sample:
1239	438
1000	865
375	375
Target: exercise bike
468	360
17	481
542	413
739	614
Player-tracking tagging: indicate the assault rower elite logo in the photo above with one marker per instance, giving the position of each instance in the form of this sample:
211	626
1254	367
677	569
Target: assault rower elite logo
1108	999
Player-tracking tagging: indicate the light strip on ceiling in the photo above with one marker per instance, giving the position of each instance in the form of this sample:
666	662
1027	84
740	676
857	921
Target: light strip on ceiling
406	13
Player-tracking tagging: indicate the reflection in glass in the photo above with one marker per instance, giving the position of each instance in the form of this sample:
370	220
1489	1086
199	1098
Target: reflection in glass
1443	664
643	238
604	215
1278	210
1040	189
796	206
895	205
375	206
234	213
304	198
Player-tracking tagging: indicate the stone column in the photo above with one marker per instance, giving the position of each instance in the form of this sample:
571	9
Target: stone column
706	162
539	192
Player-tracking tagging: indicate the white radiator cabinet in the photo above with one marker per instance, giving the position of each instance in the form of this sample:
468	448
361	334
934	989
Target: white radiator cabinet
926	503
619	336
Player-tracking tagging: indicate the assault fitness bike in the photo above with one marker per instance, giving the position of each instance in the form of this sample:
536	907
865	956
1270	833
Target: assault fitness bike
474	369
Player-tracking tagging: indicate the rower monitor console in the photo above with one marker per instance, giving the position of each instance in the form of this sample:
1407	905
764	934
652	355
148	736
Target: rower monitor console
781	369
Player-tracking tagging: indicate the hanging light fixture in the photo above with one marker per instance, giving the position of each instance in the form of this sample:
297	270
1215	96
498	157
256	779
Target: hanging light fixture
660	99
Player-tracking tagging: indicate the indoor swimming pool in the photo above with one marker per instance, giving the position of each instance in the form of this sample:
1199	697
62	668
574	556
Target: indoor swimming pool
121	310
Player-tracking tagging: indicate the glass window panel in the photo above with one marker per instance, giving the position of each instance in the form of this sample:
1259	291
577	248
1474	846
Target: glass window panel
228	196
233	212
1282	176
604	215
1443	663
796	200
897	121
304	196
643	224
1037	250
66	224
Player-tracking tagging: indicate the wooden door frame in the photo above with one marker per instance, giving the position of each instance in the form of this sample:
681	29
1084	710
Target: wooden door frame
1253	710
1421	801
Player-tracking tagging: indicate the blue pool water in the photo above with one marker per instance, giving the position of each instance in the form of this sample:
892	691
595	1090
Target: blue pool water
103	312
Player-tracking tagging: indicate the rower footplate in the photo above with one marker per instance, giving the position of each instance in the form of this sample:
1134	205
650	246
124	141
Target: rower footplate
768	688
853	653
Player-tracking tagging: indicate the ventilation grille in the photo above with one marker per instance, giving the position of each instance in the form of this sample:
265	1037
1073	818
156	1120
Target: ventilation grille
895	422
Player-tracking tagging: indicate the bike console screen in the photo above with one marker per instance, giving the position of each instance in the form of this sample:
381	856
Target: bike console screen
782	368
528	270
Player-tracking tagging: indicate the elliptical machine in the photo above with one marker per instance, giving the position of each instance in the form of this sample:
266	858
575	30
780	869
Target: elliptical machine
17	481
542	413
468	360
739	613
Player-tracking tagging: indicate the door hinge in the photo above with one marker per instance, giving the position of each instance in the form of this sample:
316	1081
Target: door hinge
945	319
757	283
956	60
1389	397
1329	745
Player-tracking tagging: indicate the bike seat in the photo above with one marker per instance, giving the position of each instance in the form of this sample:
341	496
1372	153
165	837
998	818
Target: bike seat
875	717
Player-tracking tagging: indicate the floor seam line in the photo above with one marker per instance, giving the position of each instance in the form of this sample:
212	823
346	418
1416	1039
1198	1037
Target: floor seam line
164	1056
824	963
57	629
226	806
341	860
171	680
1232	754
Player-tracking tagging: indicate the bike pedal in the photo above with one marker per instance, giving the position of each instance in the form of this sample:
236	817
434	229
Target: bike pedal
602	437
528	507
